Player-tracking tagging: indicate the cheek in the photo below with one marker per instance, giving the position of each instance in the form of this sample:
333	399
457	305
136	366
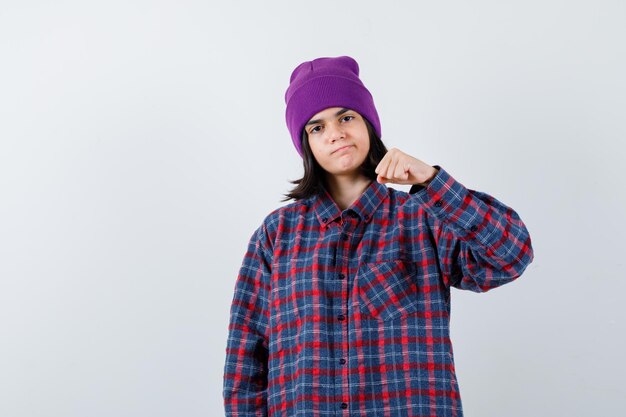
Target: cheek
365	145
317	155
314	151
314	144
312	147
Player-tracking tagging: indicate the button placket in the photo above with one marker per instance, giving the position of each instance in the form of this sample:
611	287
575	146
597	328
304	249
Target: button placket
341	334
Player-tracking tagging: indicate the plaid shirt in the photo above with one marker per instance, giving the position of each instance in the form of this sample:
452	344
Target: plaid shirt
347	313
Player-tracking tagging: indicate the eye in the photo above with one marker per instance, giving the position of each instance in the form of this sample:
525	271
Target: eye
314	129
347	117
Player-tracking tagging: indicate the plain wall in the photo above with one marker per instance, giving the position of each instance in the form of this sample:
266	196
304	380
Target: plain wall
142	142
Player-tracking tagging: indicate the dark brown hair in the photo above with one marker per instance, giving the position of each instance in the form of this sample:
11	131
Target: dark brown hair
314	174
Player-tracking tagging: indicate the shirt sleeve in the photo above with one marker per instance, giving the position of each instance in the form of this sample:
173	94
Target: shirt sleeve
246	367
481	242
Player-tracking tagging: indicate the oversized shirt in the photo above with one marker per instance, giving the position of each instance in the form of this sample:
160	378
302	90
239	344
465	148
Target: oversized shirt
347	312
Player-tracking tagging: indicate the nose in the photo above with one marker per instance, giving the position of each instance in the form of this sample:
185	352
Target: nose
335	132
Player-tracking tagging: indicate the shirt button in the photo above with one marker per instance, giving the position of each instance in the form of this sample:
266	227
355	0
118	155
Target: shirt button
344	405
344	237
341	317
325	219
438	203
341	276
342	361
473	228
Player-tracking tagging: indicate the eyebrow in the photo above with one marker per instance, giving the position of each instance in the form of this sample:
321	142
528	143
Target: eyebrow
340	112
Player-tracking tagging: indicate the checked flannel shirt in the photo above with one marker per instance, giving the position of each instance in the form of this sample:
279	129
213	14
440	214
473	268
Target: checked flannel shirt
347	313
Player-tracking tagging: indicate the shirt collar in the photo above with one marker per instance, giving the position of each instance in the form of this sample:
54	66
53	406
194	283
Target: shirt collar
364	207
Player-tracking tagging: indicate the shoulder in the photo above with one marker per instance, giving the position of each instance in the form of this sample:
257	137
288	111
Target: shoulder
285	213
398	196
408	210
282	218
400	200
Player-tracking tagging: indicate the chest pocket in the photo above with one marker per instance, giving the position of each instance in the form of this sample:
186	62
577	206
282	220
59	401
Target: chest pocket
388	290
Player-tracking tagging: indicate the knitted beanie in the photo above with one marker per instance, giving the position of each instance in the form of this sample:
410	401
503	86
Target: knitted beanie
322	83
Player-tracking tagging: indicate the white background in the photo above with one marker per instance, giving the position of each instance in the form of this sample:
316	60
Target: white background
142	142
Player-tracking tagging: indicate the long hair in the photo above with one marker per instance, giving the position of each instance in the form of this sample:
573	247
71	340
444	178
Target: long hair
314	174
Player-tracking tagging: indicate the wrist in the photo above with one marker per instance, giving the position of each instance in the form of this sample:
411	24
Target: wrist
430	177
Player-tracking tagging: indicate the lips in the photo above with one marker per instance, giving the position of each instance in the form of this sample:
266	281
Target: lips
343	147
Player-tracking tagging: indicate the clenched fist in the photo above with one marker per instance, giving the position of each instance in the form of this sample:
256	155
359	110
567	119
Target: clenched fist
400	168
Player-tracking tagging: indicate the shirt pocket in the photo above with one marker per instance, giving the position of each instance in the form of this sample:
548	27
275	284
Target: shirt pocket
388	290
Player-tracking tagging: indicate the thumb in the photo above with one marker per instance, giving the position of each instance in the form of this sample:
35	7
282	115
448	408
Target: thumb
407	172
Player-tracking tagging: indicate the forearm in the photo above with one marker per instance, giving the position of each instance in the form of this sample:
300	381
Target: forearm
481	242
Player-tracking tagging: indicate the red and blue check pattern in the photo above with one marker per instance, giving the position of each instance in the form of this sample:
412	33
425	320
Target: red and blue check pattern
347	313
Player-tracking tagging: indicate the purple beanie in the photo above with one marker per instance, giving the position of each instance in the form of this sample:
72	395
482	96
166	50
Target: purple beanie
322	83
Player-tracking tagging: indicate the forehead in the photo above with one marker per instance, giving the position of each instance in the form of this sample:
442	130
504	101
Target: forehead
329	113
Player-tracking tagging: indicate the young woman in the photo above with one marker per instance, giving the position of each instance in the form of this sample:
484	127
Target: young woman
342	302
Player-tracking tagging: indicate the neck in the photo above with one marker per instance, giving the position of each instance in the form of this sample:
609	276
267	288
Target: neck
346	189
